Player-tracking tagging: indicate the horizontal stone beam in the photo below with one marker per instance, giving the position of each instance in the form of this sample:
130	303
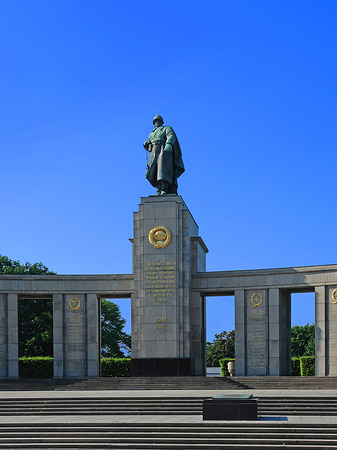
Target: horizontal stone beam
292	278
117	286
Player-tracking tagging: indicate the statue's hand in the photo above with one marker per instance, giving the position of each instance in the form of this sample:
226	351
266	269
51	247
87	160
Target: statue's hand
146	145
168	148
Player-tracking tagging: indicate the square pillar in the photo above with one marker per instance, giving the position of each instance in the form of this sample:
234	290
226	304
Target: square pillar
3	336
240	333
58	335
93	336
13	339
321	332
279	333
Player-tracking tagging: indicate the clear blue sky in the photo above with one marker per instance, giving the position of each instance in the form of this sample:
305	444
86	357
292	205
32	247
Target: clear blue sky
248	86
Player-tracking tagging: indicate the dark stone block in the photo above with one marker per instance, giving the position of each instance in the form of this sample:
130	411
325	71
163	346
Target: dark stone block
230	408
172	367
149	367
185	367
160	367
137	367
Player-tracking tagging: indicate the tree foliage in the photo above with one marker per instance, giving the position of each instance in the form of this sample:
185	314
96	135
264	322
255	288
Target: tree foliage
114	339
35	327
36	319
303	340
223	346
11	267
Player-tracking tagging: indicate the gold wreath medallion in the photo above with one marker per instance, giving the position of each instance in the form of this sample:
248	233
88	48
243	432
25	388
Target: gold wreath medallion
256	299
160	237
334	296
74	304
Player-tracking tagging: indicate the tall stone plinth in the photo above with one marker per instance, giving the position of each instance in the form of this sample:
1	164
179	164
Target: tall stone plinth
166	331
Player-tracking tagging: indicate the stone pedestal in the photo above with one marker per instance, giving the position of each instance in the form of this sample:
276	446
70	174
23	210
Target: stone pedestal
166	331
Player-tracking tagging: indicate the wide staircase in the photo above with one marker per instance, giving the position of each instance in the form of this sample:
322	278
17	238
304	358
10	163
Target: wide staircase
138	422
202	436
123	383
171	383
81	406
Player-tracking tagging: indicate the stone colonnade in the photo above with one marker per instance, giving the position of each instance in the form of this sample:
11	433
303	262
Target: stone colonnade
168	288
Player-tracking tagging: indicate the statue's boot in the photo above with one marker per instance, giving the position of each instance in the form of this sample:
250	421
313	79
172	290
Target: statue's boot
164	187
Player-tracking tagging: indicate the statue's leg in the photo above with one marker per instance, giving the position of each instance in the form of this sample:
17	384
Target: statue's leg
163	186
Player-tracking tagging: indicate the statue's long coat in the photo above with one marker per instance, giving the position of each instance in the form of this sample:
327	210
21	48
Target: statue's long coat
164	165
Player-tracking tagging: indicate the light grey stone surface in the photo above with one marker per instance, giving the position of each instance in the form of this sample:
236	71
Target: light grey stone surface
165	324
13	340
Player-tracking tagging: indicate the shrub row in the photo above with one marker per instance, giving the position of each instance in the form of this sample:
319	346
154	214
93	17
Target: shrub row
36	367
116	367
42	367
303	366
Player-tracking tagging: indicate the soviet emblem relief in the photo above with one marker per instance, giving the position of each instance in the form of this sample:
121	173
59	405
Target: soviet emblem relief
334	296
160	237
256	299
74	304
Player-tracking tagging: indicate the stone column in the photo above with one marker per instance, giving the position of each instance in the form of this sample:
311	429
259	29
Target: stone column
262	332
163	327
279	333
93	336
251	332
75	335
240	333
198	310
326	330
13	339
3	336
58	335
321	331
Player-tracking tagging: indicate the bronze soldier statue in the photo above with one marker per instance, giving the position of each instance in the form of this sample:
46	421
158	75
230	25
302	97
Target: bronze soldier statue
166	164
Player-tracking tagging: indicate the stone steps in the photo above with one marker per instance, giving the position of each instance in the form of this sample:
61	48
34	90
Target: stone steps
123	383
267	406
287	382
168	436
171	383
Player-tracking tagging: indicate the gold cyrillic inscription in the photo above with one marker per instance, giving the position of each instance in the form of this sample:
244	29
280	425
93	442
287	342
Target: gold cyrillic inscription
160	280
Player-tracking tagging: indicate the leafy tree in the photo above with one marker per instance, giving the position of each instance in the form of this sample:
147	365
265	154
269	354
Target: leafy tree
36	318
35	315
114	339
303	340
35	327
223	346
11	267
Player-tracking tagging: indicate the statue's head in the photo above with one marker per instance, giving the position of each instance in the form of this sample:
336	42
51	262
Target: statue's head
158	120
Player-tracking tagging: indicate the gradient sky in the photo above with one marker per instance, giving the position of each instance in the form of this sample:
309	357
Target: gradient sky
248	86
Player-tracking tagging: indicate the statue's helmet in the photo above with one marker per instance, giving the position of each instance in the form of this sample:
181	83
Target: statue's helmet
157	117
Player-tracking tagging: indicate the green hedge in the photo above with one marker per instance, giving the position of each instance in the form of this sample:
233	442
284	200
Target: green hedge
116	367
303	366
295	367
307	366
36	367
223	364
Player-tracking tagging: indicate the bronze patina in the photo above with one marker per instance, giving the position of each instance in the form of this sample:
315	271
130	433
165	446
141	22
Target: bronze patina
166	164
